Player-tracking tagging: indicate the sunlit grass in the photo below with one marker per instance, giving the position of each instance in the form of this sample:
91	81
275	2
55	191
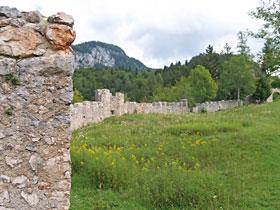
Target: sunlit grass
227	159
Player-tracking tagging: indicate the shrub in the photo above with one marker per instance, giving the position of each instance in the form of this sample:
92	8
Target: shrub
203	110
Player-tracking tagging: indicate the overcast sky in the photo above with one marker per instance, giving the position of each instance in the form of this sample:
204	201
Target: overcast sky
157	32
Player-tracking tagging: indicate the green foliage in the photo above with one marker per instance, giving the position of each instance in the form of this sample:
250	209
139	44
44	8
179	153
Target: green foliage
263	90
228	159
210	60
268	58
203	87
242	46
181	90
276	82
12	79
137	86
203	110
9	111
77	97
237	74
269	13
276	97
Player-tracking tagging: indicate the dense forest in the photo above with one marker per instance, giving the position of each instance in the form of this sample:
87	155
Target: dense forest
207	76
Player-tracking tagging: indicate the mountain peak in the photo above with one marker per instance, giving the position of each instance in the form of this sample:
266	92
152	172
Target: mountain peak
100	54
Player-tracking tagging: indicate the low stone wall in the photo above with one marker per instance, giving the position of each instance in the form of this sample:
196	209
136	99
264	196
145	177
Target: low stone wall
213	106
36	67
107	105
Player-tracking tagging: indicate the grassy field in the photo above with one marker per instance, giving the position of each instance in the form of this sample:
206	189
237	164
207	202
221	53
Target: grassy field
224	160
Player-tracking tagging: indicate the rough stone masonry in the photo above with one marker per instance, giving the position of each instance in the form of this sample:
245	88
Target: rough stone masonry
36	67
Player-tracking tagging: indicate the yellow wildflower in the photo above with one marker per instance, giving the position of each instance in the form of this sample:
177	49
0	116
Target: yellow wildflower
91	151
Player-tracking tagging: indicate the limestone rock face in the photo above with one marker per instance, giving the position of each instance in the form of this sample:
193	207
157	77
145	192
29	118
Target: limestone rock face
9	12
60	36
5	21
62	18
20	42
34	17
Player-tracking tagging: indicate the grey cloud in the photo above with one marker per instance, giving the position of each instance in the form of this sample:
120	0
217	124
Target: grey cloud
166	44
163	44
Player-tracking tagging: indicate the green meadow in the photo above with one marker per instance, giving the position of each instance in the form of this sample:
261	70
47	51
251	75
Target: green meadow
224	160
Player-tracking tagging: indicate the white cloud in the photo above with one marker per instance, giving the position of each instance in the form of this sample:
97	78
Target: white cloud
157	32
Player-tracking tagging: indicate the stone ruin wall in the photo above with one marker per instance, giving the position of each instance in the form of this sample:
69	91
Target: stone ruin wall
213	106
36	67
107	105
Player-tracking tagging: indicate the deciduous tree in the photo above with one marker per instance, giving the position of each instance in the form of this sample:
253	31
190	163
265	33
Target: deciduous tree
237	74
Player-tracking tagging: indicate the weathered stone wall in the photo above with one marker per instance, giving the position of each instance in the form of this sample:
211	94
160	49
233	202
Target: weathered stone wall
213	106
107	105
36	67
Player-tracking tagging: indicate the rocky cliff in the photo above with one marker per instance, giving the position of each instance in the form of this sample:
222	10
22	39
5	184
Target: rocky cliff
99	54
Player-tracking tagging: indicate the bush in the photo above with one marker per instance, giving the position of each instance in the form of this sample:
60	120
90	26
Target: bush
203	110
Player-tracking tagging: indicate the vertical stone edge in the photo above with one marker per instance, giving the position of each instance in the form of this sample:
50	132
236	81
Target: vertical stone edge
36	68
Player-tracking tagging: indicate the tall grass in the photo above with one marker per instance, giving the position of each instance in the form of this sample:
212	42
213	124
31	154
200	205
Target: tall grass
223	160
